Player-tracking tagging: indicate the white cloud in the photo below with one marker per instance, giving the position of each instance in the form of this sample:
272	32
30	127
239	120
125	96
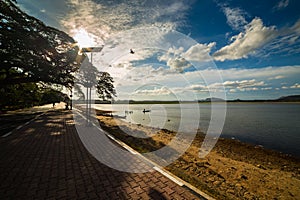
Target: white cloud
198	83
295	86
199	52
243	83
153	92
281	5
236	79
83	15
103	18
238	85
287	42
276	77
179	60
173	58
254	76
235	17
137	56
260	73
267	88
178	64
296	27
174	8
255	36
229	86
197	87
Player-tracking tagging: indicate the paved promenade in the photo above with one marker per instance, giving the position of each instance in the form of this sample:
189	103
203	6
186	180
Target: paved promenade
45	159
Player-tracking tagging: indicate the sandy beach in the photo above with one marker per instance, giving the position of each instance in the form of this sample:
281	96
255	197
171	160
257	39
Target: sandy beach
232	170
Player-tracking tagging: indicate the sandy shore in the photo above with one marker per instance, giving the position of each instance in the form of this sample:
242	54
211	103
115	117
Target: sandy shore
232	170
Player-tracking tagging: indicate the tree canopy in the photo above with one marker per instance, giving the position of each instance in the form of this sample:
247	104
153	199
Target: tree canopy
22	95
30	51
33	55
88	76
105	88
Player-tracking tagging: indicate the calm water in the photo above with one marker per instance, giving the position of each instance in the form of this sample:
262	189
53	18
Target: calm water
273	125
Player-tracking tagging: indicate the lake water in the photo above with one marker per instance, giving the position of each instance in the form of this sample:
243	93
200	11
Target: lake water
272	125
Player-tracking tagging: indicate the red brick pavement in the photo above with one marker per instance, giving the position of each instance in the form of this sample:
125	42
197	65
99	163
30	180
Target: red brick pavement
46	160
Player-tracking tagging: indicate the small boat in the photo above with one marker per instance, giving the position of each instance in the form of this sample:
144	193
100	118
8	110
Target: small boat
144	111
128	112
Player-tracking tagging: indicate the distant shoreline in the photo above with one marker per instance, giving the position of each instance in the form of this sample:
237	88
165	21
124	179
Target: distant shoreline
285	99
187	102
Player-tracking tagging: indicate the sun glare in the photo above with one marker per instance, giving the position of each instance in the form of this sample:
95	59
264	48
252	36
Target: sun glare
83	38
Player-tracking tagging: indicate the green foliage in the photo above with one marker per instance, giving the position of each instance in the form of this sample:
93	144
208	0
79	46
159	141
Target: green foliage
30	51
88	76
19	96
23	95
105	87
50	95
33	54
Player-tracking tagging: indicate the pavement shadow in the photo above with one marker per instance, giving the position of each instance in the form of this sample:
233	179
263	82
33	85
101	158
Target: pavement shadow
155	194
46	159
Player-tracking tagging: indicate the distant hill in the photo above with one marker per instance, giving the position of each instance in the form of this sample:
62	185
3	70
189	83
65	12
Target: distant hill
213	99
291	98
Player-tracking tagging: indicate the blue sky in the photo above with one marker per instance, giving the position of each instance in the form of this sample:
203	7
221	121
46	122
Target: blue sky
186	49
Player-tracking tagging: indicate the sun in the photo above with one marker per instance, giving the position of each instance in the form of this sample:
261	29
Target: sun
83	38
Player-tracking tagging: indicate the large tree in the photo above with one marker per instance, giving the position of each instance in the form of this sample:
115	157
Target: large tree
30	51
88	76
19	96
33	54
105	88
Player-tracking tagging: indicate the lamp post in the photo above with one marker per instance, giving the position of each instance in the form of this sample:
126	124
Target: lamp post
89	86
71	100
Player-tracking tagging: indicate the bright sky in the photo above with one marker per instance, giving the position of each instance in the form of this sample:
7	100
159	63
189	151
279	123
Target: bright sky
186	49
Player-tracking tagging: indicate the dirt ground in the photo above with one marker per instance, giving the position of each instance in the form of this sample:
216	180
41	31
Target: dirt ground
232	170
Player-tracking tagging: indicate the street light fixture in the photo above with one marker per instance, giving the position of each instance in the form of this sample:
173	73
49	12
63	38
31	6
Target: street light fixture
89	86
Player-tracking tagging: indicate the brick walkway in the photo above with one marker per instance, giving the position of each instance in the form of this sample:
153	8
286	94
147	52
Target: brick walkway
46	160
